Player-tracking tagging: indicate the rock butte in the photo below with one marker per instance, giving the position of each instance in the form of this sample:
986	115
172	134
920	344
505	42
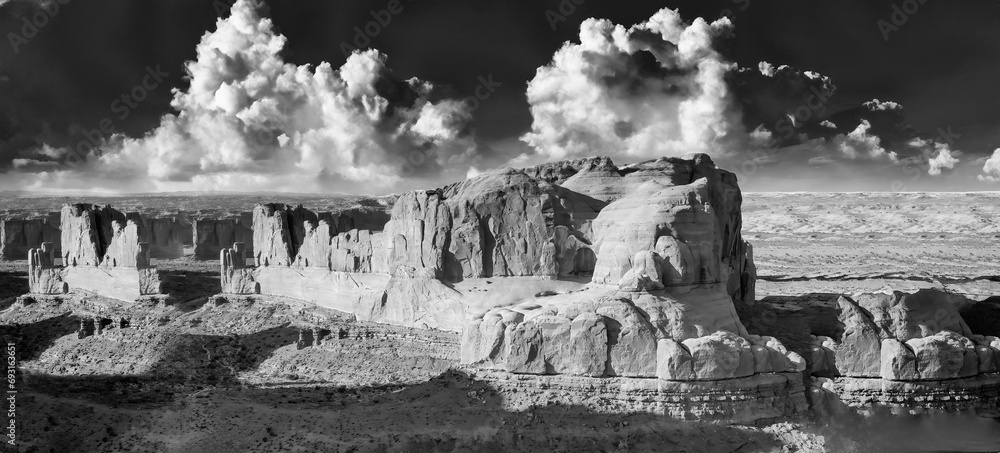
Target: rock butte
101	253
627	276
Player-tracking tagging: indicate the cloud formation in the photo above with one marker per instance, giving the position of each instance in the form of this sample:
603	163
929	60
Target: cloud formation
656	88
662	87
991	168
249	120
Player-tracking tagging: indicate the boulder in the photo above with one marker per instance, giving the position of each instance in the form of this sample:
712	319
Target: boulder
722	355
556	336
673	361
483	341
859	352
945	355
631	340
908	316
898	363
524	349
588	345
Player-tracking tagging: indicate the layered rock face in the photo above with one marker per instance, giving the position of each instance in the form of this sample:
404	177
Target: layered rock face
502	224
102	253
211	236
17	236
685	210
693	228
905	337
166	236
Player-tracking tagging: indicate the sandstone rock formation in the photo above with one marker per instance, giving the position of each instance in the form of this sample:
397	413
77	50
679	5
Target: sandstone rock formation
210	236
603	334
693	227
44	277
500	224
300	255
17	236
666	259
102	253
165	236
668	262
236	275
905	337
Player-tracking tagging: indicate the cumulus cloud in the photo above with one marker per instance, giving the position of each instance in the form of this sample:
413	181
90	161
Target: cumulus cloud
859	143
251	120
991	168
653	89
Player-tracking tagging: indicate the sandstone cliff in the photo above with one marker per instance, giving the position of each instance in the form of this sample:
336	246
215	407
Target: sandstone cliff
501	224
103	252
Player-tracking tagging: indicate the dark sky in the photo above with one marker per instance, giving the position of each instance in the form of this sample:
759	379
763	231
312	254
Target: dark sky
942	64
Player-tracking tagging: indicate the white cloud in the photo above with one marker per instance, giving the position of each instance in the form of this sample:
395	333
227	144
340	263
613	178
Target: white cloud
657	88
251	120
859	143
991	168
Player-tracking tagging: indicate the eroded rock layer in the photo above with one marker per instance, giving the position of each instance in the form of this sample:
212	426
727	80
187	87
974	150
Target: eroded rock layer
758	398
501	224
102	253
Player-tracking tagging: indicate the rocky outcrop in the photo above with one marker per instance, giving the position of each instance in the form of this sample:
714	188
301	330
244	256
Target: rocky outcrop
102	253
905	337
693	228
44	277
500	224
668	261
236	276
602	334
17	236
300	255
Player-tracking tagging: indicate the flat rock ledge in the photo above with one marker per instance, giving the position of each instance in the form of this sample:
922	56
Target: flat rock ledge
979	394
760	398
